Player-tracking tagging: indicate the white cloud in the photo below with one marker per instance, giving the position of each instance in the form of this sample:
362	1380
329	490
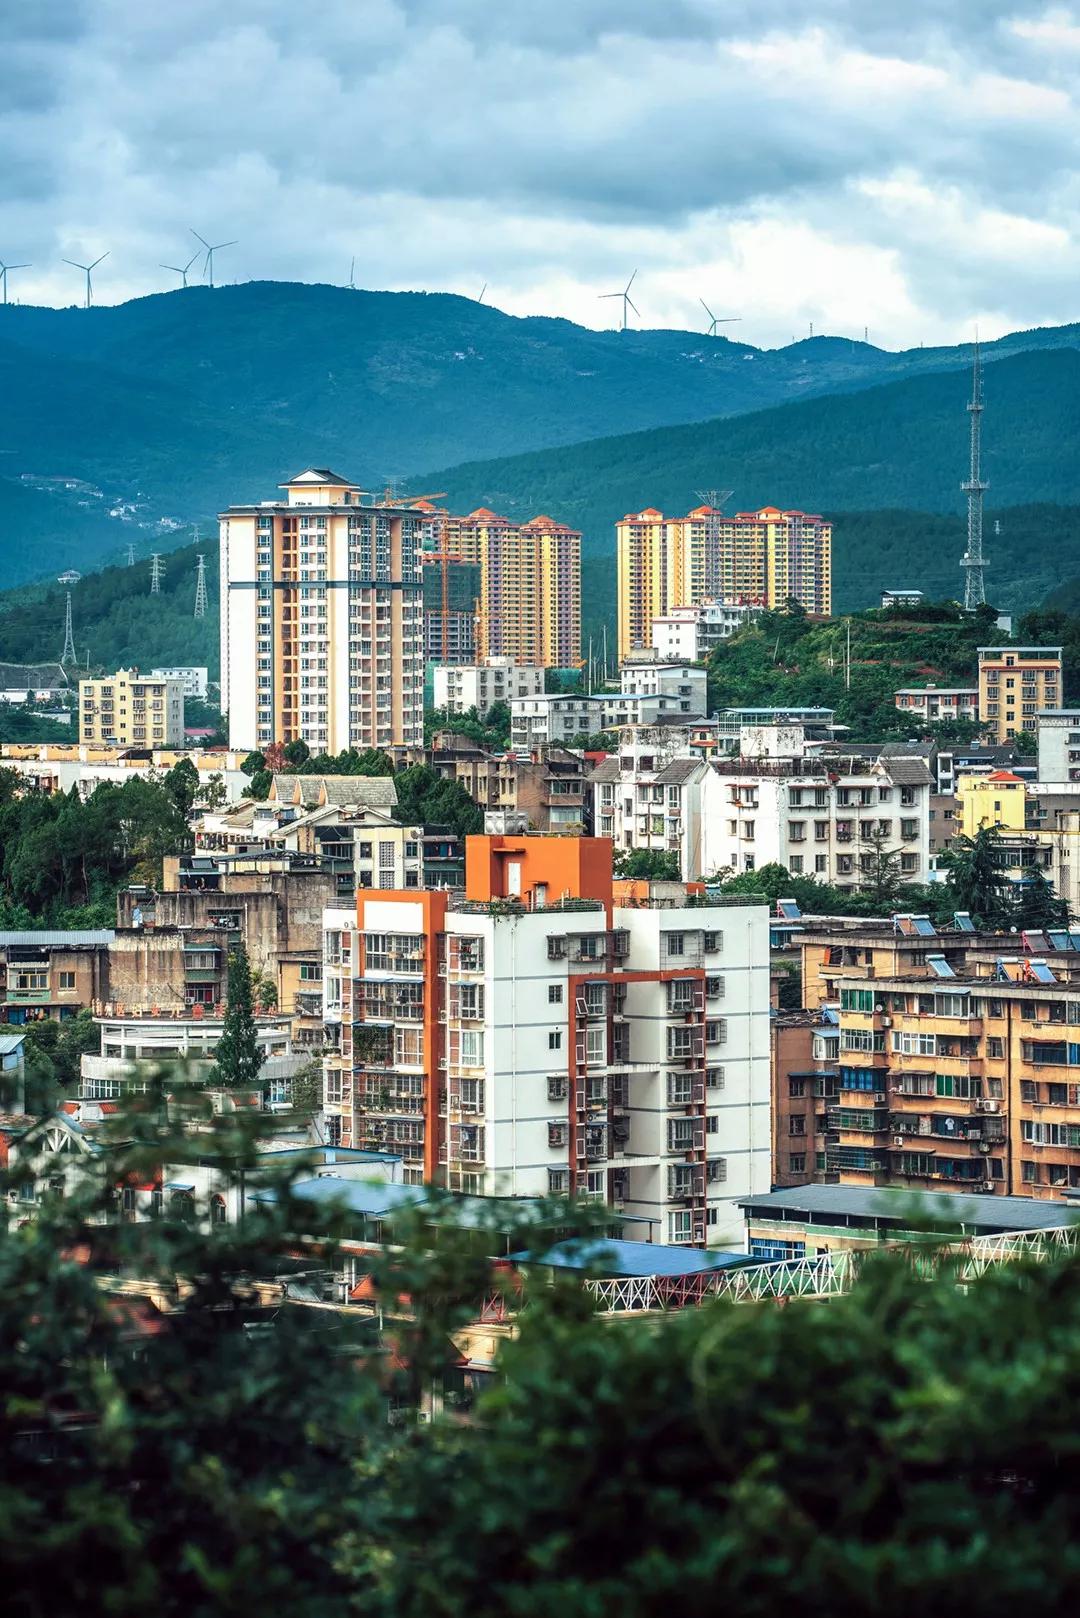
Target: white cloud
851	167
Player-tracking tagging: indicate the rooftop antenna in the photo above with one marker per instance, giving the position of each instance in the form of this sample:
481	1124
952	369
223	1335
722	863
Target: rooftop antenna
68	654
972	560
4	268
180	269
714	321
86	268
627	302
157	573
483	289
200	589
211	249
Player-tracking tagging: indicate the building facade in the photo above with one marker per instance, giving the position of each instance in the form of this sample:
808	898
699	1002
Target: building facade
556	719
129	709
933	703
321	619
195	681
537	1037
1058	731
761	557
1016	683
451	596
458	688
529	607
688	634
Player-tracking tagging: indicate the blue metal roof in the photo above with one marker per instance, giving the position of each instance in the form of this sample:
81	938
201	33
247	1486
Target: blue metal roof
10	1042
79	939
373	1200
604	1257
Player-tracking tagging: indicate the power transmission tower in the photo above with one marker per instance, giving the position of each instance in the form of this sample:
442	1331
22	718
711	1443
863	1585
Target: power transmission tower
200	589
717	498
157	573
972	561
68	654
131	555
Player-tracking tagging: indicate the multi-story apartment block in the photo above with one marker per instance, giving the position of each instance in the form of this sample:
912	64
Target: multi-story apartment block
931	704
553	719
458	688
529	607
1058	731
866	947
536	1036
321	619
962	1080
826	815
650	795
816	724
1016	683
805	1079
688	634
760	557
680	681
129	709
451	596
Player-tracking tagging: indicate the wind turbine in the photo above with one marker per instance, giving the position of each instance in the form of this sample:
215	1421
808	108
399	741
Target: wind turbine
627	301
724	320
179	269
4	268
208	266
483	289
352	275
87	268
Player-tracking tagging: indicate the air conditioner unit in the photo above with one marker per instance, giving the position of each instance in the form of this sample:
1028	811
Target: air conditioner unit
886	1022
988	1185
898	1140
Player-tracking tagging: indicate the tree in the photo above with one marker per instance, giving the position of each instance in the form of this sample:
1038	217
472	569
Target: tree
1026	743
239	1057
297	753
182	786
975	878
647	864
425	799
881	875
1037	904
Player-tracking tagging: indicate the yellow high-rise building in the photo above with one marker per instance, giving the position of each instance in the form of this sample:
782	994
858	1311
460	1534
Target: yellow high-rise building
1015	684
755	557
530	586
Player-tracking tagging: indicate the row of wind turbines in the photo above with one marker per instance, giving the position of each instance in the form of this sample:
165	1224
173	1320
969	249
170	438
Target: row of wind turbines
628	304
206	252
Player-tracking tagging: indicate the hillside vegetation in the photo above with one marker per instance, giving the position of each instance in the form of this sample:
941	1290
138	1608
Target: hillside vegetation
181	402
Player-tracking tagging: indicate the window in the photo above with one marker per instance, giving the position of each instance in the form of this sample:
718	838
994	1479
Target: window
555	994
558	1180
716	1031
856	999
995	1047
795	864
679	1225
675	943
796	1088
797	1124
797	1163
555	1040
712	1125
66	980
558	1087
713	943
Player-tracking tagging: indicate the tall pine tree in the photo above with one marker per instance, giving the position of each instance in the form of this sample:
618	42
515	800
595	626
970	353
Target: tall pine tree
239	1058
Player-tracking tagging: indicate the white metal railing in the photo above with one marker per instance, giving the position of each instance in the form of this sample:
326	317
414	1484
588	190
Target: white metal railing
827	1275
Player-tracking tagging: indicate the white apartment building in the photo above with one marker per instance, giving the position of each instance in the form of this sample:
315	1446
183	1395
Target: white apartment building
458	687
680	681
321	618
649	796
542	1048
688	634
195	681
1058	732
553	720
823	816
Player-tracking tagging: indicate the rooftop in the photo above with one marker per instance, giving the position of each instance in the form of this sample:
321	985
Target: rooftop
608	1257
911	1209
59	940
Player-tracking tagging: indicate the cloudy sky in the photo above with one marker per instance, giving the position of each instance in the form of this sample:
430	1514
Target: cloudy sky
909	168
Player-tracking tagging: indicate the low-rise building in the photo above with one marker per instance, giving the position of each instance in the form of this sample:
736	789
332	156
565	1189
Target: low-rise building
195	681
53	767
932	704
51	974
33	682
649	795
460	687
688	634
817	724
679	679
129	709
557	718
902	598
548	787
805	1081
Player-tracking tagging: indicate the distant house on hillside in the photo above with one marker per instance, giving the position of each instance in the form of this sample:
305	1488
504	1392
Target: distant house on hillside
19	682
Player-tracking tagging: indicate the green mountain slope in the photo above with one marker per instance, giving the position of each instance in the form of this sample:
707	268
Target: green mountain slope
178	403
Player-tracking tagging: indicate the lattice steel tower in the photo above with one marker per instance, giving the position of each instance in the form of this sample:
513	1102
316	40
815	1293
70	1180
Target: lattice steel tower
200	589
68	654
972	561
157	571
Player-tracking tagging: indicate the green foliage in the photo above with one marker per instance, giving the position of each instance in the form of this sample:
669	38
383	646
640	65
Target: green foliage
977	879
62	858
650	864
425	799
53	1052
774	881
492	730
239	1058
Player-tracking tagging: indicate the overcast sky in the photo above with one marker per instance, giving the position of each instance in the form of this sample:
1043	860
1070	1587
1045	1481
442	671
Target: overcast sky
908	167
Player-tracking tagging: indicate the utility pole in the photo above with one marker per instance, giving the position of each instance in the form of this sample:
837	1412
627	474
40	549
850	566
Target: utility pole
972	561
157	571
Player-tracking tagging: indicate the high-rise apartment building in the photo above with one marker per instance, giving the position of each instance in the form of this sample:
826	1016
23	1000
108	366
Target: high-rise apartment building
529	607
1015	684
538	1036
321	618
451	597
755	557
129	709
